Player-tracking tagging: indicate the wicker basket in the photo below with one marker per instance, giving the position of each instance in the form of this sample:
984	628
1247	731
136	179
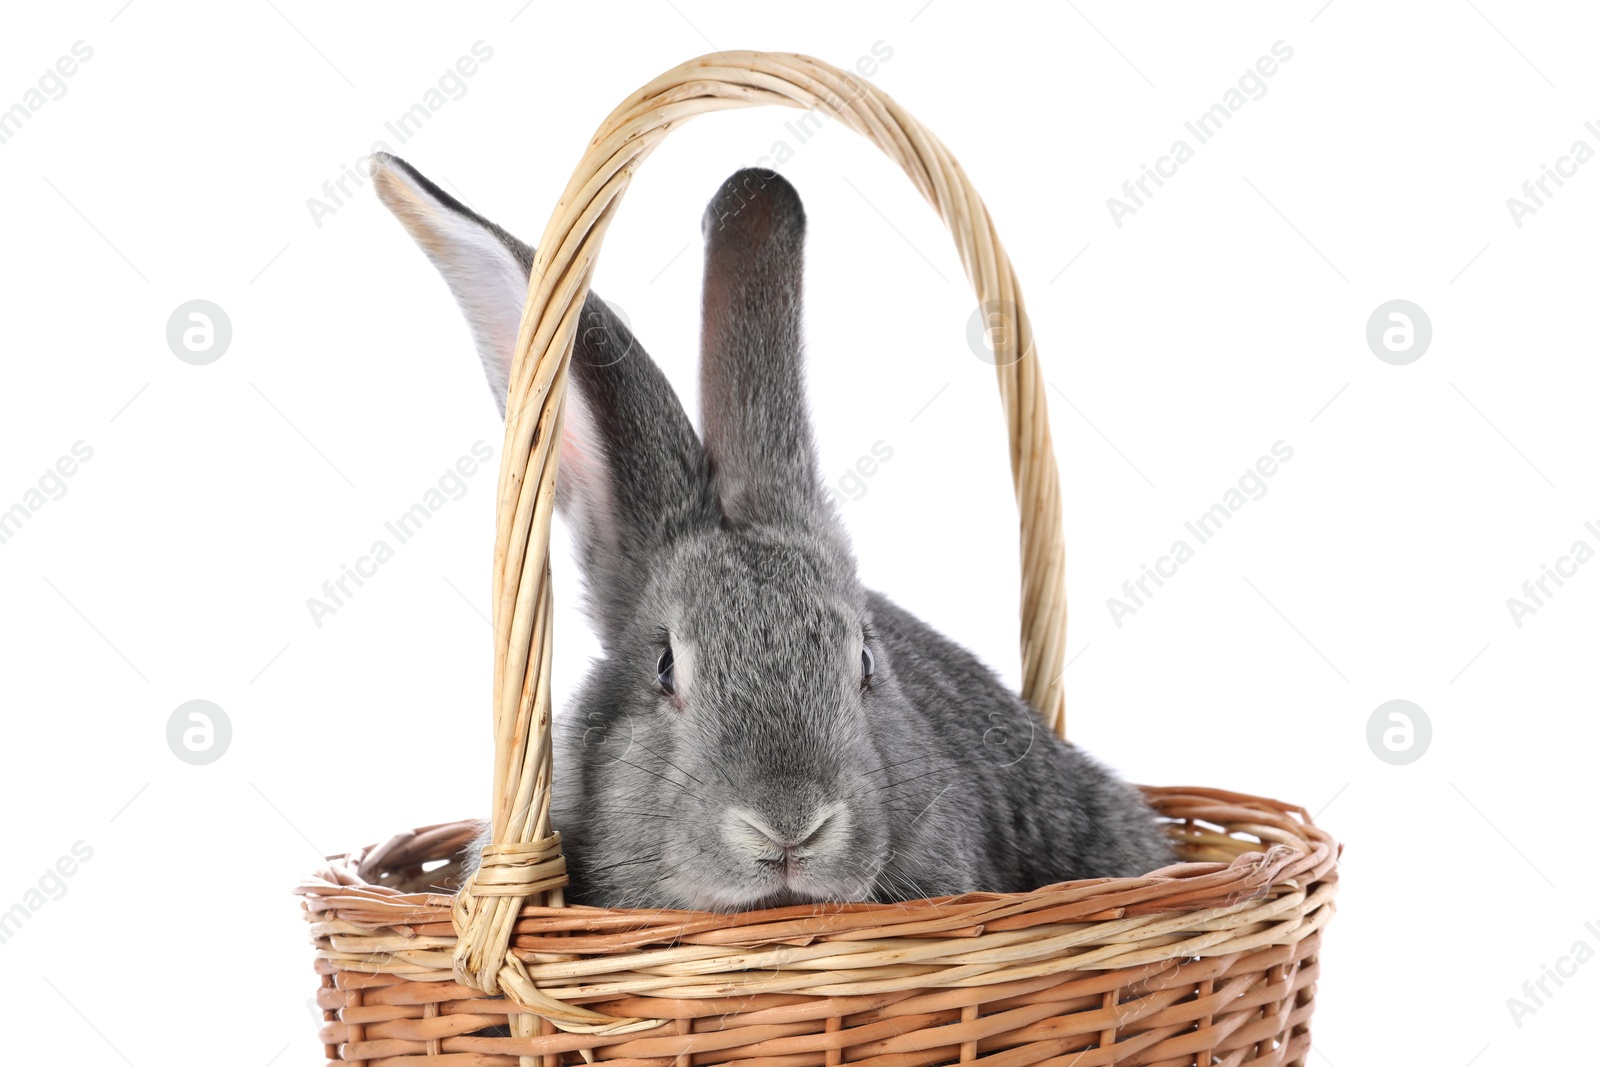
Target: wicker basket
1210	961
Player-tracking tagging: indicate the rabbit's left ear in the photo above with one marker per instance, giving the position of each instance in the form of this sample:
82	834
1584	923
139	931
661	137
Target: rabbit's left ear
754	417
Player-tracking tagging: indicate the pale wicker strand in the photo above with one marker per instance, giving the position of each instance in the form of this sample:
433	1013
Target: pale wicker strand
485	911
834	968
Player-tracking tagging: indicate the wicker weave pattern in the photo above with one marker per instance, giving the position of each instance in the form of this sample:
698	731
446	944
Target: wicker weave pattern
1220	949
1210	961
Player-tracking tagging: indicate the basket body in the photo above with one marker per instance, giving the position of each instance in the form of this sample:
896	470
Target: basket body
1210	961
1214	962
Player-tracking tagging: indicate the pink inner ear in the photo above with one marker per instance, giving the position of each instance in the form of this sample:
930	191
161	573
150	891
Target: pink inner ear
582	486
578	459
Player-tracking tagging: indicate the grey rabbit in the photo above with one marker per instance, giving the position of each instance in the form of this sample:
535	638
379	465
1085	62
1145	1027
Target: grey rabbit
760	730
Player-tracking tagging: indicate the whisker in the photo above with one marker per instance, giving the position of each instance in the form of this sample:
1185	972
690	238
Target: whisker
669	763
641	814
624	863
656	774
901	782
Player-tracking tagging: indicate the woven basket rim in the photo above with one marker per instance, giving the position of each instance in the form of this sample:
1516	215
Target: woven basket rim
1252	874
1264	908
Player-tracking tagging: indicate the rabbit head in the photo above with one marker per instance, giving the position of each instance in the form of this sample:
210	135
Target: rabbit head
727	750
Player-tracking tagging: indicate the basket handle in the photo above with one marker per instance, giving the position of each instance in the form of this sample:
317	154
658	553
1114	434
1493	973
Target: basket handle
524	858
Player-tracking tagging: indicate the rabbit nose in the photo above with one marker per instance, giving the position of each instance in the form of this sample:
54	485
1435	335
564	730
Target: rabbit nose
786	845
790	842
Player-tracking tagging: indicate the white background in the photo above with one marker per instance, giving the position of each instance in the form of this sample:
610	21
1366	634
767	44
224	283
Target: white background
1227	314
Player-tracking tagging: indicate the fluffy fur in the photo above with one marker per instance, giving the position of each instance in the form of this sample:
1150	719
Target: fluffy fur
816	742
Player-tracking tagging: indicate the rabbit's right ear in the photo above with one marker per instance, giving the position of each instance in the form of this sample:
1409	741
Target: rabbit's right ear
752	391
632	474
485	267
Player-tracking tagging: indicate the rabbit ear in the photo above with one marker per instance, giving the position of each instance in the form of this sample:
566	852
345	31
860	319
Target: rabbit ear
485	267
752	395
632	472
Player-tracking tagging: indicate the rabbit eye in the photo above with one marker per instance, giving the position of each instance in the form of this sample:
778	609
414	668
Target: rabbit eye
664	672
866	665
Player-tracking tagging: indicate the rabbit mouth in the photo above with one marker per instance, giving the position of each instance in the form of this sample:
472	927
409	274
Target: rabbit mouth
773	877
785	858
797	892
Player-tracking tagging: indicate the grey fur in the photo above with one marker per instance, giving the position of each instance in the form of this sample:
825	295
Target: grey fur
774	775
